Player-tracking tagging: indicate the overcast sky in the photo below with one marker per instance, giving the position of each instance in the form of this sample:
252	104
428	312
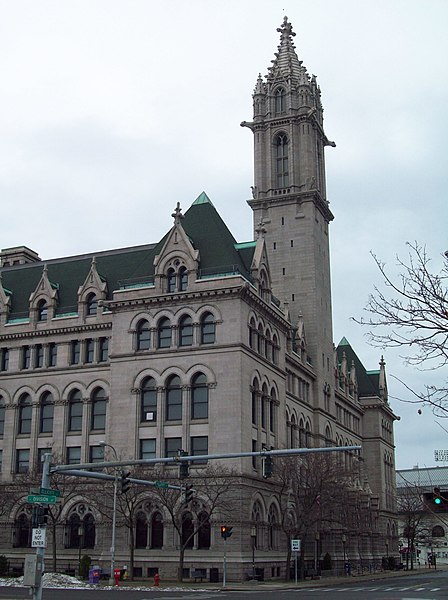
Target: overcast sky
112	111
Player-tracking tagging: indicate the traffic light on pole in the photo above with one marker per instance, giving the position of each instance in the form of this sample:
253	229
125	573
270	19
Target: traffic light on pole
189	493
437	496
39	517
125	484
226	532
267	467
183	466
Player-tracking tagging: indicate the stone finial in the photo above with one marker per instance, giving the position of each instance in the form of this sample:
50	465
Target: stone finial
286	29
177	214
261	229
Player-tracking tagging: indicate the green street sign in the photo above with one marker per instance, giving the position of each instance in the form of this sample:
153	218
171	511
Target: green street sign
160	484
42	499
48	492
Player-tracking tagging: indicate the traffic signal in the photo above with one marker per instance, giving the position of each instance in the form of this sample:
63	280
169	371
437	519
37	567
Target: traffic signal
183	466
125	484
267	467
39	517
226	532
189	493
437	496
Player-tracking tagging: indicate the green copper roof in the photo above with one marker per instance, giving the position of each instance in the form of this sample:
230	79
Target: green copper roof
367	382
219	254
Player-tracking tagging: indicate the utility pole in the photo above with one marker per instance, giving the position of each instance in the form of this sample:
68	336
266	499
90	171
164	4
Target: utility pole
40	552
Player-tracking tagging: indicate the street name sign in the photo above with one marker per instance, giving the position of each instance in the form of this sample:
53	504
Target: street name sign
39	539
160	484
42	499
295	545
48	492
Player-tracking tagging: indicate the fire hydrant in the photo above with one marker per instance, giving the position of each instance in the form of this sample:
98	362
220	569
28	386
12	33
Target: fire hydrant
156	580
117	574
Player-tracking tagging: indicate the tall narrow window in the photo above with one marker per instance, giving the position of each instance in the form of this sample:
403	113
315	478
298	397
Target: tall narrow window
25	414
46	413
74	455
254	396
264	394
281	147
38	356
143	335
148	401
98	416
141	531
186	331
199	447
187	537
103	349
75	352
172	446
42	310
52	354
280	101
23	531
272	406
91	304
204	533
171	281
26	357
183	279
156	531
208	329
75	411
4	359
22	461
173	399
147	449
90	350
199	397
164	333
2	416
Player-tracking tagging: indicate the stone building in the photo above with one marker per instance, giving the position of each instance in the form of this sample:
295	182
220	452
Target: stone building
201	343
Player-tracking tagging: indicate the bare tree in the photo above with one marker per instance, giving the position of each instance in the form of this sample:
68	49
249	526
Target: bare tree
412	513
413	314
313	493
213	495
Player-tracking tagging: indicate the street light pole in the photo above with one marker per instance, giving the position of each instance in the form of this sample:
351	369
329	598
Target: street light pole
114	515
253	536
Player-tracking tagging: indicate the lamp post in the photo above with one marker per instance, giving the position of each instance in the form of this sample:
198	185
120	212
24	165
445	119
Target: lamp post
114	515
80	540
344	541
253	537
316	558
387	548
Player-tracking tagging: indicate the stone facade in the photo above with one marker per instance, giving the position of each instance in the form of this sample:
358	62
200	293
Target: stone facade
230	345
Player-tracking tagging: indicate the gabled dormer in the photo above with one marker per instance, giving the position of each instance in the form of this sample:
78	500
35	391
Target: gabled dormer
5	303
177	263
90	292
43	300
260	266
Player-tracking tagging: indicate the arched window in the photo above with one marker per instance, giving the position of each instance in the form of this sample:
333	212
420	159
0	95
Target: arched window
281	153
280	101
252	334
25	414
438	531
91	304
274	349
81	530
328	440
256	519
2	416
23	531
143	335
307	435
89	531
141	531
75	411
293	432
264	400
42	310
164	333
272	407
46	413
273	528
148	401
199	397
98	415
267	344
183	279
302	436
157	531
208	329
74	532
173	399
171	281
254	397
260	338
204	531
186	331
187	530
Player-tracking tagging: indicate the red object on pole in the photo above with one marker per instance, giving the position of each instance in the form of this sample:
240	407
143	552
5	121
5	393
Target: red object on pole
117	573
157	580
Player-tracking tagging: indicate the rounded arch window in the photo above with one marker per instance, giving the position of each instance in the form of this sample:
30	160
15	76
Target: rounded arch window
173	399
186	331
252	333
438	532
208	329
46	413
25	414
141	530
42	310
272	406
183	279
171	281
204	531
22	531
75	411
199	397
164	333
148	400
187	530
98	417
91	304
2	416
254	394
156	531
143	335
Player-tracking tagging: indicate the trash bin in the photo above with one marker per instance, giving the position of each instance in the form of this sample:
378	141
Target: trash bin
214	575
94	575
